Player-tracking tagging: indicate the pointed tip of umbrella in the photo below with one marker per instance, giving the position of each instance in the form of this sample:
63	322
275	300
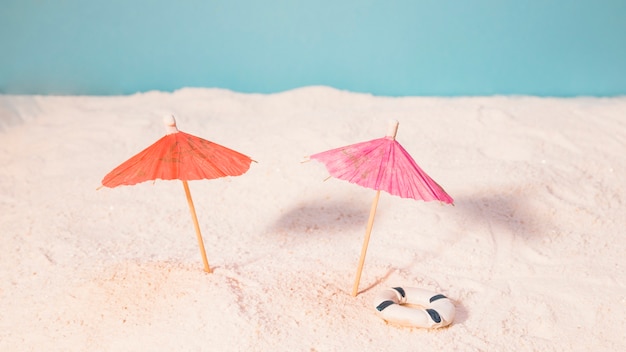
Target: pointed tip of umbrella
392	129
170	123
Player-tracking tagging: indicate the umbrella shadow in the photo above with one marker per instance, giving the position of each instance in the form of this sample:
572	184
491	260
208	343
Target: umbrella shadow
509	210
321	216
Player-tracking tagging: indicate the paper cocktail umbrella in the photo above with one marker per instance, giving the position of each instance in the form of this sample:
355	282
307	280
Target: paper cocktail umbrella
180	156
383	165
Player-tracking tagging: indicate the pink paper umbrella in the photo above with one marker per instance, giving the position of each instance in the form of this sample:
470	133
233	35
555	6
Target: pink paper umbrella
383	165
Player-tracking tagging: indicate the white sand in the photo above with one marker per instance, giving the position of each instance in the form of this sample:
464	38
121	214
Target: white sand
533	253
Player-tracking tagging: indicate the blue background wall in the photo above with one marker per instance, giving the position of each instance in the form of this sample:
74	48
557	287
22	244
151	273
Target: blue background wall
385	47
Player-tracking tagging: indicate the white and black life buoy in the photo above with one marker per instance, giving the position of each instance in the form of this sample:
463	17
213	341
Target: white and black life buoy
415	307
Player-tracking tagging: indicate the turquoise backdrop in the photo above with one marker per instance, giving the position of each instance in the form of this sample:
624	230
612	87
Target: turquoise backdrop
385	47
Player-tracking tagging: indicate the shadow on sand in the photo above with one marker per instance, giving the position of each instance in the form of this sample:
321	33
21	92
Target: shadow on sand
518	211
321	216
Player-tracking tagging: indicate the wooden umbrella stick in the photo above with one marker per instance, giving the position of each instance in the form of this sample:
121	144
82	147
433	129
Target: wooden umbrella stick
197	226
368	231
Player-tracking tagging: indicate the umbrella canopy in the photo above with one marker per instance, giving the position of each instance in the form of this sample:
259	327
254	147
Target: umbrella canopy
383	165
180	156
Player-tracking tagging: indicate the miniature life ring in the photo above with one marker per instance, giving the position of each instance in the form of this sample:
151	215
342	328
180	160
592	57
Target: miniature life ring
416	307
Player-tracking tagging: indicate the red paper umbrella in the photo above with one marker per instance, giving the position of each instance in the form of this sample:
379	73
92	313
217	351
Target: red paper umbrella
383	165
180	156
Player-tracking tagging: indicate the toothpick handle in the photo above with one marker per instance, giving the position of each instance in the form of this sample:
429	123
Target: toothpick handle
192	209
366	241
